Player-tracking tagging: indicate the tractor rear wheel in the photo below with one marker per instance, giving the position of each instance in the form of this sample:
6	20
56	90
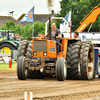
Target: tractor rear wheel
87	61
61	69
99	69
7	48
22	72
68	58
29	50
22	48
73	62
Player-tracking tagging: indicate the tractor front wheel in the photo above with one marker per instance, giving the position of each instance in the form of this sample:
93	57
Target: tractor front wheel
61	69
22	72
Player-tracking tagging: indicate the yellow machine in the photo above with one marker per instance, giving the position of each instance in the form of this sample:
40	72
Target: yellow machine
38	58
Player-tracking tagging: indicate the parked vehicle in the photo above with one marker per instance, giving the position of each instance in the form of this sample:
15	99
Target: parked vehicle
8	42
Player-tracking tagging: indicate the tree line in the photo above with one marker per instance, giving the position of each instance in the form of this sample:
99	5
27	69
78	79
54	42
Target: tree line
26	31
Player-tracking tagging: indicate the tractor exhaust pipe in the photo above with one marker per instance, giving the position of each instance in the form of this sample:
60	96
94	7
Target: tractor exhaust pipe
52	14
49	35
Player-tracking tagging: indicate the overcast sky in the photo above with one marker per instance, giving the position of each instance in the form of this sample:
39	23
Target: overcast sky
23	6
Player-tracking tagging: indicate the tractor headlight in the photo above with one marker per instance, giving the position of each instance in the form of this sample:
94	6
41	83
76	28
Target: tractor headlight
35	54
44	54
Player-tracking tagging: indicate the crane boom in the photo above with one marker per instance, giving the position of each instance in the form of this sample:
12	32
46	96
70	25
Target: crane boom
90	18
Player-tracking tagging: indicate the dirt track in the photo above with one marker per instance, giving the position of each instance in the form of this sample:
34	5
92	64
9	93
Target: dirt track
47	89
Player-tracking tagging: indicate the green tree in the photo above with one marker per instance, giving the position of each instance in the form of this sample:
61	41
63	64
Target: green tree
79	8
19	30
10	25
39	28
26	31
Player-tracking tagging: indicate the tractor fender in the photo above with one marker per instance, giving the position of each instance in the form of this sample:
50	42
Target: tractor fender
10	42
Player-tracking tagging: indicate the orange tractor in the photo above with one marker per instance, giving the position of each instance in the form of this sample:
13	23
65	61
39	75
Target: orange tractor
38	58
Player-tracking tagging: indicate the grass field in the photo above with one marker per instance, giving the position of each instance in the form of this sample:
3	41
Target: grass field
4	66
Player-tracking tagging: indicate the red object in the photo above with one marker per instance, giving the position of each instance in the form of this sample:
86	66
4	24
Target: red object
40	35
31	37
70	31
9	62
98	53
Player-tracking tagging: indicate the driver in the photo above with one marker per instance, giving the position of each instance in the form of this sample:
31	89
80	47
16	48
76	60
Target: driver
55	34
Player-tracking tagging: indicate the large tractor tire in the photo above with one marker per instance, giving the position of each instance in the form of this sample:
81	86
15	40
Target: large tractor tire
7	48
29	50
73	62
68	58
32	74
22	48
18	68
61	69
87	61
98	67
22	72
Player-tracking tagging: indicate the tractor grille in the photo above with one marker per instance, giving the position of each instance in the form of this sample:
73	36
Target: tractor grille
40	45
